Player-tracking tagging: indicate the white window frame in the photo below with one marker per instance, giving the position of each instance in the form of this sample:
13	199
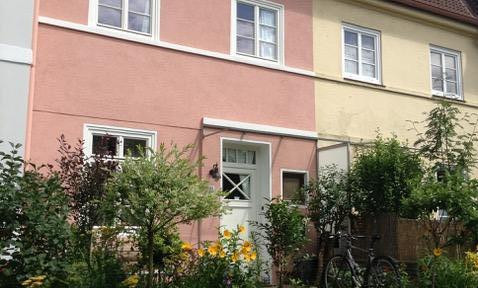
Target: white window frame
378	54
449	52
155	12
279	8
306	181
120	132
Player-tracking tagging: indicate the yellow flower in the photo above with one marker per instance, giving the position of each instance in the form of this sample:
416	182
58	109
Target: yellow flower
38	278
227	234
222	254
437	252
247	257
472	258
246	247
27	282
253	256
234	257
213	250
241	229
131	281
186	246
201	252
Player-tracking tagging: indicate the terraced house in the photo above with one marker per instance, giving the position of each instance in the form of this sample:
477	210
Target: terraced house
381	63
256	85
234	78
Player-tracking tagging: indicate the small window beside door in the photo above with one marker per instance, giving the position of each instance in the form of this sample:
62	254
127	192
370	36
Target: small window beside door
292	184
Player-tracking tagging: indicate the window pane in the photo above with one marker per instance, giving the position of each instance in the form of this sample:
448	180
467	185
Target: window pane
268	34
139	23
245	11
105	145
245	45
245	29
241	156
368	70
368	56
436	59
291	185
231	155
134	146
251	157
451	75
351	67
224	154
267	17
351	52
268	50
109	16
436	72
114	3
368	42
451	87
242	192
437	84
450	62
351	38
141	6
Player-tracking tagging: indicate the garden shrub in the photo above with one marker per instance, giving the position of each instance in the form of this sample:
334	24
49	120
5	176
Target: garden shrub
443	272
382	175
230	261
284	232
158	191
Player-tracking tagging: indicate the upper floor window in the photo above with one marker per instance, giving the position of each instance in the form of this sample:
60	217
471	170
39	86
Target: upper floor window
130	15
361	54
117	142
445	72
258	29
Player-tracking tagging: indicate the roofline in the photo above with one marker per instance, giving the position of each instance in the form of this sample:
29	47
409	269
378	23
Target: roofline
432	9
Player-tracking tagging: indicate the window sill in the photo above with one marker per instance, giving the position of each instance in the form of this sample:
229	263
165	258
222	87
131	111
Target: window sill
442	97
373	82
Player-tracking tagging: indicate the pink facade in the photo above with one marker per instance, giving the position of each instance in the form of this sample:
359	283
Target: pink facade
83	77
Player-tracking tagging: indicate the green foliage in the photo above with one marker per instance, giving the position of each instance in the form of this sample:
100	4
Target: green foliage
284	232
442	272
448	148
382	175
157	192
229	262
449	138
328	205
39	232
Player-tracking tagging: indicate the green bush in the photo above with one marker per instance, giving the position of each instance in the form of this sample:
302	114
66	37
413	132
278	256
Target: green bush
284	232
442	272
382	174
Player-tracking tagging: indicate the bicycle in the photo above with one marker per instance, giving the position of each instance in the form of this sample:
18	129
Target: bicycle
342	271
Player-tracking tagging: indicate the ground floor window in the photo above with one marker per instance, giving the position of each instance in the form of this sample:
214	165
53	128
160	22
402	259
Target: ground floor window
292	183
116	141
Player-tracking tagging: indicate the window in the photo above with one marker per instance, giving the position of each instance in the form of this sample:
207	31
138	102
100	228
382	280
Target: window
361	54
239	156
292	182
257	29
117	142
130	15
445	73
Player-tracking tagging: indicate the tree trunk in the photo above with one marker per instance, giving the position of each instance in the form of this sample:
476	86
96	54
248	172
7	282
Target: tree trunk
149	283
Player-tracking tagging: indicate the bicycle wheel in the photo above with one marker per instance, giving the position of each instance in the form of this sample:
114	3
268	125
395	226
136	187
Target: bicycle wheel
338	273
383	273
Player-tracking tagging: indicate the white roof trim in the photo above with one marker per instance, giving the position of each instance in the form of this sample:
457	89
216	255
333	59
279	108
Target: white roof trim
258	128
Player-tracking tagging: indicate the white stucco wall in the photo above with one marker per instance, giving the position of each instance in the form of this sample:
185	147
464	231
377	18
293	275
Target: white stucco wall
16	25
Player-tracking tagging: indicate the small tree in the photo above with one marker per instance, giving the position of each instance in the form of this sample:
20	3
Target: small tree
328	205
382	175
156	192
285	233
84	180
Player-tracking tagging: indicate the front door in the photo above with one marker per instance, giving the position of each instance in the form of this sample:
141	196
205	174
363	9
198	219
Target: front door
240	184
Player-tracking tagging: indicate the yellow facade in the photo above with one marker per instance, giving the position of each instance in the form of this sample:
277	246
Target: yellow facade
351	110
